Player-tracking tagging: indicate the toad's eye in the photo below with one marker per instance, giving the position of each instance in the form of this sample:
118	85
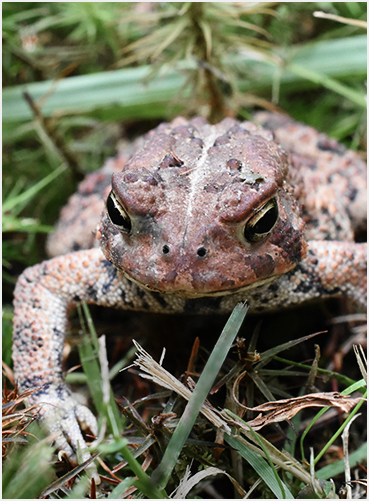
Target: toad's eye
262	222
117	214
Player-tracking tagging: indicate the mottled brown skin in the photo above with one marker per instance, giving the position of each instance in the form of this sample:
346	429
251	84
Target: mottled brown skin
192	195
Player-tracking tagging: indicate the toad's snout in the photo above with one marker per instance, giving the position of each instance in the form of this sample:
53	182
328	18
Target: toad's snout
202	269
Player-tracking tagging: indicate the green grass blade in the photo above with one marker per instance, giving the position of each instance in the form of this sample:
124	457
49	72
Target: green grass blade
30	225
27	472
329	83
260	465
122	88
356	386
23	198
123	94
117	492
338	467
88	350
340	429
340	377
162	474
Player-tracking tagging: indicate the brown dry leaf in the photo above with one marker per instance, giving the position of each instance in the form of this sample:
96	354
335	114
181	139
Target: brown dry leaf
282	410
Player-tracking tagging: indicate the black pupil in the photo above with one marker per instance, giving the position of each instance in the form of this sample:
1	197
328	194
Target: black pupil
201	252
265	224
116	217
267	221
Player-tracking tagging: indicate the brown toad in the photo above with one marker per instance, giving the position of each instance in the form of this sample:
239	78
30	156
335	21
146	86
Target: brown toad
201	217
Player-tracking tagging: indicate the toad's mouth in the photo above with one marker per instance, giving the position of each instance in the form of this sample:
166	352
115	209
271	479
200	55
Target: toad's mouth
190	293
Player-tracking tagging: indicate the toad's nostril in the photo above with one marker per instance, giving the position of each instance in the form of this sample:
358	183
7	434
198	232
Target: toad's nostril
201	252
166	249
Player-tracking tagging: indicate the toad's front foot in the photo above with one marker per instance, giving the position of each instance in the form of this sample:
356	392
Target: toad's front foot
64	418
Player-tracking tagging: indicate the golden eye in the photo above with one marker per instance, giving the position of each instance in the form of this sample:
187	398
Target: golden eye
117	214
262	222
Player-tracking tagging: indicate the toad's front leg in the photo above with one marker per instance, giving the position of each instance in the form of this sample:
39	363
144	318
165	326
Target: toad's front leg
337	269
330	268
43	295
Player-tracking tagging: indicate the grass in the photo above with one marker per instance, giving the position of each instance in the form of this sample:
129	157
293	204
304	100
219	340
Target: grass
100	72
282	474
162	474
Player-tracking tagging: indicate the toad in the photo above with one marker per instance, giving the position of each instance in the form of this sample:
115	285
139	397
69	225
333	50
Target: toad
195	218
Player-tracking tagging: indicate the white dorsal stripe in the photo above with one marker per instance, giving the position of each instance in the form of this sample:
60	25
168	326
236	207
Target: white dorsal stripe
198	174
